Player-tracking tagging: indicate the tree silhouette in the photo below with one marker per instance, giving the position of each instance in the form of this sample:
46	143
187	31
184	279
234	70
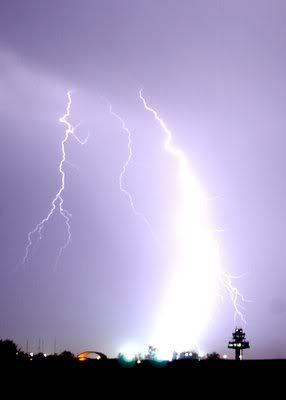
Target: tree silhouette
213	356
8	350
67	355
152	352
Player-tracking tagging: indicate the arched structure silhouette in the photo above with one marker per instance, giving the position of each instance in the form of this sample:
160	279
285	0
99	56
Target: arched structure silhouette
84	355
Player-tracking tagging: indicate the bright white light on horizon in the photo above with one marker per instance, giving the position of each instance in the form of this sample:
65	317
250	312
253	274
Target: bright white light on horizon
202	354
129	352
164	355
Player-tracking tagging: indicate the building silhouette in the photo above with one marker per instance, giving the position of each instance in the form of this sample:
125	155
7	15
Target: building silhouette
238	343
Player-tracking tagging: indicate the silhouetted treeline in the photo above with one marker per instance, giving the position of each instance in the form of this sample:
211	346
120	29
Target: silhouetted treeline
11	355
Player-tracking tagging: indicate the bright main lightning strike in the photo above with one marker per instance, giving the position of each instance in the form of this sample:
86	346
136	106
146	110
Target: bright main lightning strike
188	304
58	201
125	166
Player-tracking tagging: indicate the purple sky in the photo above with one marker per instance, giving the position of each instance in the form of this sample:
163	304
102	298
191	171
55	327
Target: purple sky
216	72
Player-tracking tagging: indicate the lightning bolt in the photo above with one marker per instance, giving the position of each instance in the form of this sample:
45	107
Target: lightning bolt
187	307
58	201
125	129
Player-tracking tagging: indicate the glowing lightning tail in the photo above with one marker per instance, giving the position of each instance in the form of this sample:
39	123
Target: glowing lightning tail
197	267
58	200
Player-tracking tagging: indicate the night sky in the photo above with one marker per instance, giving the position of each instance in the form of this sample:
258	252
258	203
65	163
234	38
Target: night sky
215	71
